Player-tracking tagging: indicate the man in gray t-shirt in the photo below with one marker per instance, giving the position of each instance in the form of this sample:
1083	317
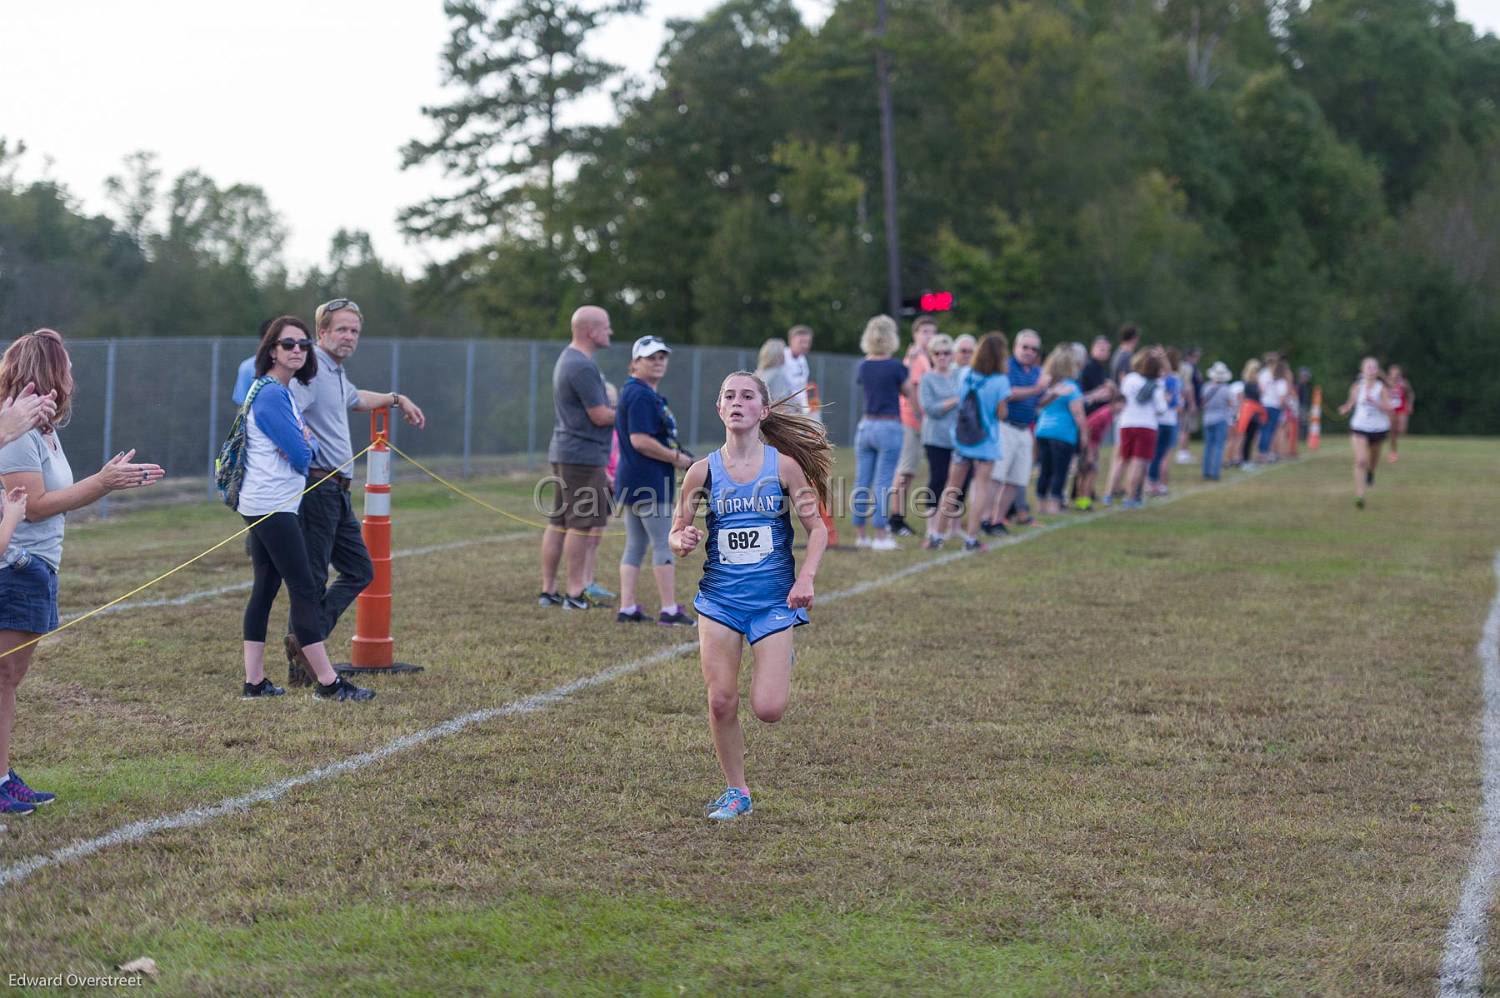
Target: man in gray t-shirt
577	387
583	421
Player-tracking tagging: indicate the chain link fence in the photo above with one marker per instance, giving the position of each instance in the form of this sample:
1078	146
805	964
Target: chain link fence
488	402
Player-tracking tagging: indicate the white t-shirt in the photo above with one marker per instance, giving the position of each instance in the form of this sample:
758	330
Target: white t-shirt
1368	416
1272	389
796	373
271	484
1141	415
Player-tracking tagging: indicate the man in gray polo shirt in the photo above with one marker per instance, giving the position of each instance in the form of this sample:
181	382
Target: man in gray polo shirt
328	522
579	450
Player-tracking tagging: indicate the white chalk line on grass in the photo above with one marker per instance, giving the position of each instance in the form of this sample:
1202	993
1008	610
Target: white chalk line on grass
241	587
1462	971
193	817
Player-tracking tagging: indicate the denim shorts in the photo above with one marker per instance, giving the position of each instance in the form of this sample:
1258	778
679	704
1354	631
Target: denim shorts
28	597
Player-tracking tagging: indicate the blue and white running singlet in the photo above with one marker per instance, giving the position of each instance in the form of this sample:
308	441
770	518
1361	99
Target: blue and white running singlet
749	568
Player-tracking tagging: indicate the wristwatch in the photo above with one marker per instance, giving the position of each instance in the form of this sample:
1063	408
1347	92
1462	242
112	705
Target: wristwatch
395	400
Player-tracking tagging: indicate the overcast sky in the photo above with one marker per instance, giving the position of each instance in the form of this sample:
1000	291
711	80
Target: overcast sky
309	100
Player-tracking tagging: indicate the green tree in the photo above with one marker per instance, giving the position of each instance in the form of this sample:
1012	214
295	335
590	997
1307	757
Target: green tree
517	66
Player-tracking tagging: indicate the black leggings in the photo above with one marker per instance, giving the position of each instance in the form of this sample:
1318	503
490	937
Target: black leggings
938	459
1057	456
279	552
1252	433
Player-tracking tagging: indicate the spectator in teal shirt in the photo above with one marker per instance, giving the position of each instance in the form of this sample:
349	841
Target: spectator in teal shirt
987	380
1060	427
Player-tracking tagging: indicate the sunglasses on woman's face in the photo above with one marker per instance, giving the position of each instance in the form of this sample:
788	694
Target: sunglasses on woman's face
303	345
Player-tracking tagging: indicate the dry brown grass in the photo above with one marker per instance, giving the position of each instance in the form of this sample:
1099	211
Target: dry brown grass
1227	745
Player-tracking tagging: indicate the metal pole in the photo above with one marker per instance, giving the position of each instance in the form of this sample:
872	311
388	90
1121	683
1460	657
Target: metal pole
822	382
109	415
854	406
536	363
468	405
888	163
694	406
213	412
395	380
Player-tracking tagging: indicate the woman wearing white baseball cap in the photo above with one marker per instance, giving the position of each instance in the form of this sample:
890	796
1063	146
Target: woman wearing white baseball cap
1217	409
645	481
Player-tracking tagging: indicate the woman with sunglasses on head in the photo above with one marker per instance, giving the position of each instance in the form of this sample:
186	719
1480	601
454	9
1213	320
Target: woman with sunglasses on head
774	463
279	449
35	471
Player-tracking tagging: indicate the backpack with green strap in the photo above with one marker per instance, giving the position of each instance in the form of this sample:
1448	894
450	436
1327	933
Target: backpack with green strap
229	466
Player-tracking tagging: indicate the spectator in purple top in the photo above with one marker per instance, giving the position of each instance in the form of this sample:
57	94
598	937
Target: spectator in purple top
877	442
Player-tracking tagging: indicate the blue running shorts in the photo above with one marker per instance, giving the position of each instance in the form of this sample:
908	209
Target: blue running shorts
754	624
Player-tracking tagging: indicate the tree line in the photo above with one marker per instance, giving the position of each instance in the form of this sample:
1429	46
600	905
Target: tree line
1316	177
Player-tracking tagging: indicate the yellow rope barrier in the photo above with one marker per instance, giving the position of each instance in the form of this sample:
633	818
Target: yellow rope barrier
478	501
249	526
168	574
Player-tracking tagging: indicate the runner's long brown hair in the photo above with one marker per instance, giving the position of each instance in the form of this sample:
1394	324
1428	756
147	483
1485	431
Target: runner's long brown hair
799	437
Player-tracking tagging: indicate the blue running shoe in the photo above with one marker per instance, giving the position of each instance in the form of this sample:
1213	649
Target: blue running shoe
733	804
598	593
1132	504
9	805
16	789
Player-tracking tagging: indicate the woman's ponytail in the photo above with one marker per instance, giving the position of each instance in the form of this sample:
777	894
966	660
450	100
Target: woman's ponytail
799	437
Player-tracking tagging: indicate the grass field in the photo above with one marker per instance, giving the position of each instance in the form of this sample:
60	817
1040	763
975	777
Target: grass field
1224	745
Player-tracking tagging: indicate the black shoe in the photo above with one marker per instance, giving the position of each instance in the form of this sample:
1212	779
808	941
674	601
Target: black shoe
992	529
902	530
575	603
633	617
342	689
675	619
264	688
298	668
1370	477
549	599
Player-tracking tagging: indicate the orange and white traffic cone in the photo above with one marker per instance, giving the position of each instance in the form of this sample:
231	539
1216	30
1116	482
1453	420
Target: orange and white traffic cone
374	650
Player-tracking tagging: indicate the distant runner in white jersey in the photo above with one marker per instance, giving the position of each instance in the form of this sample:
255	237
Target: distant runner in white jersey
1370	401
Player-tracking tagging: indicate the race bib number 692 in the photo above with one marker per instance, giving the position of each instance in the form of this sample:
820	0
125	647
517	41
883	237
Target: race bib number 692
744	545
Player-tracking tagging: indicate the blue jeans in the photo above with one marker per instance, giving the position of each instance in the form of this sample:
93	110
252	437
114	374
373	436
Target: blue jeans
877	446
1214	436
1166	436
1268	432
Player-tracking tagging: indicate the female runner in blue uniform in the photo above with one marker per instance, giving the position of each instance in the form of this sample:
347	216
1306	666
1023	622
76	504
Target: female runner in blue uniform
774	462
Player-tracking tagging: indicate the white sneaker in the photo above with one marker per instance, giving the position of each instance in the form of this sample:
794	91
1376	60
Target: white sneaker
884	544
1184	457
861	542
